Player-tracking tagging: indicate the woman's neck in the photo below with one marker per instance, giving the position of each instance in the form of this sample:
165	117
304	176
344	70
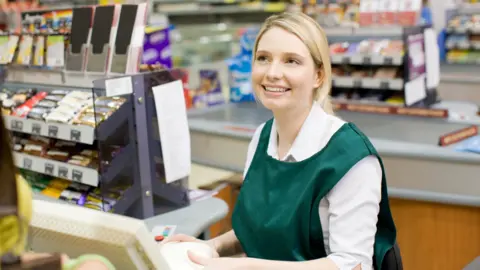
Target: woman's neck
288	126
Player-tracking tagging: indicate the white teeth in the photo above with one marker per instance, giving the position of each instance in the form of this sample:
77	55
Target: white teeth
274	89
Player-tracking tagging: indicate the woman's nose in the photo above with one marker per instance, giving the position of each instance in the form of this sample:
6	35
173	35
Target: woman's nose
274	72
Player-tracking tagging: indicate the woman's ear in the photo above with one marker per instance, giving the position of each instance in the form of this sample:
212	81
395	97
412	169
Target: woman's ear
319	78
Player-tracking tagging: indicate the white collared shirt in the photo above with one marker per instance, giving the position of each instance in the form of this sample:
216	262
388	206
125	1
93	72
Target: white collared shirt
348	213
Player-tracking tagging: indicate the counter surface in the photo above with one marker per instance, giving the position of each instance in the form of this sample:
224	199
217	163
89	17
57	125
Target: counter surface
391	134
461	73
416	167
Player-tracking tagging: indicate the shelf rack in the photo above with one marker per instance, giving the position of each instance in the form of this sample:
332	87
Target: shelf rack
139	162
413	40
466	44
212	11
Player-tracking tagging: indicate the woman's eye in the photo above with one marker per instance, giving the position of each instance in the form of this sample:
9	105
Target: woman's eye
261	58
292	61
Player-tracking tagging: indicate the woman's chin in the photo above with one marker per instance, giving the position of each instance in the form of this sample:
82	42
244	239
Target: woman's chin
274	105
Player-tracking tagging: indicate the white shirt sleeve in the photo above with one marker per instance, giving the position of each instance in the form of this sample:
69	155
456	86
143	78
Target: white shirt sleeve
252	148
354	204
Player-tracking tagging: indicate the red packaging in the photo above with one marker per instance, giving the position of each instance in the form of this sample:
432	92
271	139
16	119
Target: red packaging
388	14
409	12
367	12
24	109
182	74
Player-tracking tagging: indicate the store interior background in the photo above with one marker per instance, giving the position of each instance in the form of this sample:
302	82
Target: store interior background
435	189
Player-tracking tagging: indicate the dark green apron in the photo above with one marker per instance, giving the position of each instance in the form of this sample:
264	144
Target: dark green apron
276	216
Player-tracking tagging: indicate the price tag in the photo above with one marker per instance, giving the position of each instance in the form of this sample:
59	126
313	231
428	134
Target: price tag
77	175
118	86
27	163
62	172
357	83
52	131
388	60
367	60
385	85
75	135
36	129
49	168
16	125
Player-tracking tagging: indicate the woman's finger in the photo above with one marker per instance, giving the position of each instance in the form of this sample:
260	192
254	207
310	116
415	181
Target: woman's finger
180	238
198	259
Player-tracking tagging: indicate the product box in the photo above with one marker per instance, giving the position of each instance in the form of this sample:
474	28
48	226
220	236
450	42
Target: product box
156	47
388	12
240	69
367	12
210	91
409	12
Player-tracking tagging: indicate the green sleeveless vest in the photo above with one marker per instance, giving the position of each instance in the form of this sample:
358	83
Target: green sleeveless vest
276	216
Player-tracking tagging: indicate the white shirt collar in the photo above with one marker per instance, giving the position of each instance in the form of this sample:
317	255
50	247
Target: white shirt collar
309	138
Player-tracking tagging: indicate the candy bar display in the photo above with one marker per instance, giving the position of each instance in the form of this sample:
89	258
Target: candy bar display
368	72
59	106
62	151
72	192
369	47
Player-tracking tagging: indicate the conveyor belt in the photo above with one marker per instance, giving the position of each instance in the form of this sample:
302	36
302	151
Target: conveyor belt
392	127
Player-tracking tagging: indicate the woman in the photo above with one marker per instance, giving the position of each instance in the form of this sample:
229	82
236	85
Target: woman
314	193
16	213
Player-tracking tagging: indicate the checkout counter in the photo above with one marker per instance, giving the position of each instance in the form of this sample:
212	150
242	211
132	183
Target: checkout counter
434	191
459	82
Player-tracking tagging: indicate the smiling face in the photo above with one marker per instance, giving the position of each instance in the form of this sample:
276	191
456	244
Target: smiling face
284	74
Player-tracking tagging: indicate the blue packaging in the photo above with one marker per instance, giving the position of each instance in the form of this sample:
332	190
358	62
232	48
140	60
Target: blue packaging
471	145
240	68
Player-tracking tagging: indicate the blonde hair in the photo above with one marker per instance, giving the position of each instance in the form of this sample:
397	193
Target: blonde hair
313	36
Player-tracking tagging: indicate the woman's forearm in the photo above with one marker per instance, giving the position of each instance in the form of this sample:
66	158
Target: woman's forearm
227	244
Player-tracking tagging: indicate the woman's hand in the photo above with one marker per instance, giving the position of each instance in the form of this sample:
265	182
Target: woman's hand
32	256
218	263
187	238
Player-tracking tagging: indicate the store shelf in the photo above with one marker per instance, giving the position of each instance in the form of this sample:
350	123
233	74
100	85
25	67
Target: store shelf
199	1
59	169
75	173
368	83
372	32
75	133
51	78
465	45
338	31
463	30
362	59
195	9
380	31
68	132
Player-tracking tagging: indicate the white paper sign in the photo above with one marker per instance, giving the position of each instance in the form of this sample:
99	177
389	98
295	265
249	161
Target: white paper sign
433	59
415	90
118	86
173	130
